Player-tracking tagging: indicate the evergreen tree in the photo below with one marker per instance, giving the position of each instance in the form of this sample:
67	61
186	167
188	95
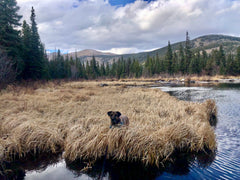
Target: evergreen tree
113	71
102	70
182	64
37	63
221	56
194	64
188	53
137	69
108	69
169	59
26	41
94	70
203	60
158	64
149	65
198	62
175	66
211	67
10	42
88	70
128	67
230	65
237	61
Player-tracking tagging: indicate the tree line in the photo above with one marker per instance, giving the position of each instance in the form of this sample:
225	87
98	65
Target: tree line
184	61
74	68
22	54
187	61
23	57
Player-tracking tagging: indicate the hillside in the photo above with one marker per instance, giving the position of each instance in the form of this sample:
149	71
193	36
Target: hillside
207	42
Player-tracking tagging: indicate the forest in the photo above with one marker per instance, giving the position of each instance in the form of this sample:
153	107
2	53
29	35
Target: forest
23	57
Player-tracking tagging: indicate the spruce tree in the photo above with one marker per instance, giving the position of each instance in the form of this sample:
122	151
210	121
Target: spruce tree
37	63
102	70
238	61
158	64
188	52
203	60
181	59
175	65
230	65
26	43
107	69
169	59
94	70
10	42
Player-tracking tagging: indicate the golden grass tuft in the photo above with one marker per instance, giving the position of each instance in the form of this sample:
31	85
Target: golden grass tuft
72	117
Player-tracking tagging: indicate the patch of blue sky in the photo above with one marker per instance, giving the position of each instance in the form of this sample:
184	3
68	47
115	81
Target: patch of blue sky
114	2
123	2
56	50
75	5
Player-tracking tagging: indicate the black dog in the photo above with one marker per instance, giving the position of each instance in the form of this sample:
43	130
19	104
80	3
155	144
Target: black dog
117	119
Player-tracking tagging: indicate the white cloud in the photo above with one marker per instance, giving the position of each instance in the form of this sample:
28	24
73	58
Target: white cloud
95	24
123	50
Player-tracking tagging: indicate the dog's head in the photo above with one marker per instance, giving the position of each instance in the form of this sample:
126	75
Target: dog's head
114	116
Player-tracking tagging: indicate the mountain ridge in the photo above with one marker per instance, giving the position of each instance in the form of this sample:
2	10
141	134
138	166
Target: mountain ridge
205	42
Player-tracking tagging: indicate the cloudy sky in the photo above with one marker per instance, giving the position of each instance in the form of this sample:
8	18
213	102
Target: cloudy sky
129	26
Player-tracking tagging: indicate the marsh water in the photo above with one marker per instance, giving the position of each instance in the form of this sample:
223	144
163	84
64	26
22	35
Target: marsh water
223	164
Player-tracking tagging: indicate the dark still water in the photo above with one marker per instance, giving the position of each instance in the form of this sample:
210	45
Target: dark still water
227	161
224	164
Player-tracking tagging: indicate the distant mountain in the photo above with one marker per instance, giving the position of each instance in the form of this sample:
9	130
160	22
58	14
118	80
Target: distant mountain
85	55
208	43
91	52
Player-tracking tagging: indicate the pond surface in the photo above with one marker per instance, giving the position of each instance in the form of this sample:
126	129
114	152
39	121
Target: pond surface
225	164
227	161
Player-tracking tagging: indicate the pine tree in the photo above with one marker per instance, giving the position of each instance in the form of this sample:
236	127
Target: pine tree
107	69
194	64
26	55
149	66
169	59
102	70
88	70
230	65
175	66
94	70
188	53
237	61
198	62
203	60
221	59
181	59
158	64
36	65
10	42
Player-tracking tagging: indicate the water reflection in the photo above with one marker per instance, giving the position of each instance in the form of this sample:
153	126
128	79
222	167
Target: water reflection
180	165
18	169
53	167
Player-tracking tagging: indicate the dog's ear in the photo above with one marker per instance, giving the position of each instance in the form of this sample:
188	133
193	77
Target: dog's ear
118	113
109	113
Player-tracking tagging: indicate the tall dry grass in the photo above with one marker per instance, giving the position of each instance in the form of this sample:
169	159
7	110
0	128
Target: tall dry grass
72	117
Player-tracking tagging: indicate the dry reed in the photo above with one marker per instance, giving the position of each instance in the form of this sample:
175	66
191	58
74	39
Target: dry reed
72	117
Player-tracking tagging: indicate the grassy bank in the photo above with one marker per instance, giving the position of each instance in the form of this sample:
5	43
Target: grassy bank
186	78
72	117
